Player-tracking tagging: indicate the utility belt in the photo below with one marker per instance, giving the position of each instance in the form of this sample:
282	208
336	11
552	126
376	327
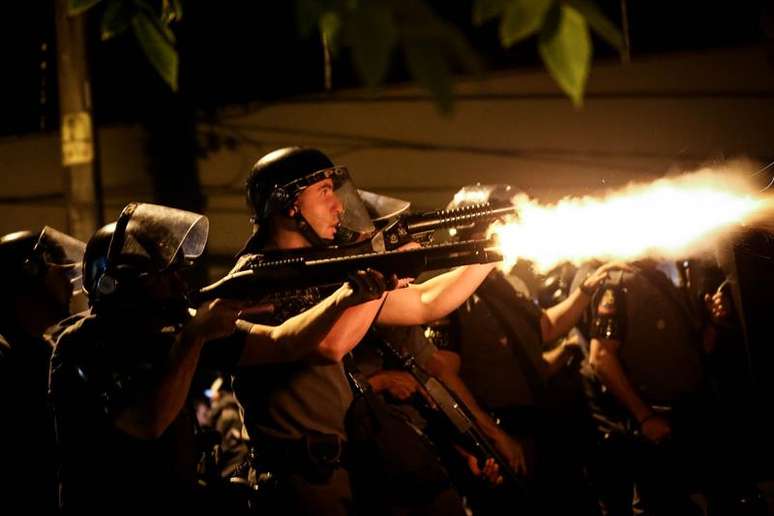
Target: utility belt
315	455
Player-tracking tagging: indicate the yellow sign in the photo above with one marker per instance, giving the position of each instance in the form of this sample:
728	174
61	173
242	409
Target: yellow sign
77	141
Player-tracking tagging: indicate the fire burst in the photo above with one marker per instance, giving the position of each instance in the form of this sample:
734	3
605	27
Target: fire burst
671	217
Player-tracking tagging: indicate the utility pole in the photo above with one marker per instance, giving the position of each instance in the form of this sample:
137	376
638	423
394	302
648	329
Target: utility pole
83	194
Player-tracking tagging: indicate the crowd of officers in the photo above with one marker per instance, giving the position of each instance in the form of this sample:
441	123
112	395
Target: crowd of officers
595	387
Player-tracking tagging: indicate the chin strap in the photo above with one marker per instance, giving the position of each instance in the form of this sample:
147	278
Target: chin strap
309	233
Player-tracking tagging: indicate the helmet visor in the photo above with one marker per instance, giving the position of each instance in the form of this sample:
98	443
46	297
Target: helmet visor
354	220
61	250
381	207
158	235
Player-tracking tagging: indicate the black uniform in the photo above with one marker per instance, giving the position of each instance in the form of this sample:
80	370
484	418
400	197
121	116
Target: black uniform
28	465
661	354
100	366
415	459
497	334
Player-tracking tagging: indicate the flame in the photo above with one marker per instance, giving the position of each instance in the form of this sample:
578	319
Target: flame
672	217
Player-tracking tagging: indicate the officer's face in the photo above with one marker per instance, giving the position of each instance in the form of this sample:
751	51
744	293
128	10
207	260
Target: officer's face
162	286
321	208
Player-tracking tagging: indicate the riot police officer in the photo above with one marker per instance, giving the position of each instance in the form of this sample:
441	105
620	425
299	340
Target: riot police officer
37	268
502	342
302	203
120	376
659	427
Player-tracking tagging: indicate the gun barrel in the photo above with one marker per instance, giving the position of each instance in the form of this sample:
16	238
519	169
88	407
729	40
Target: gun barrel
440	219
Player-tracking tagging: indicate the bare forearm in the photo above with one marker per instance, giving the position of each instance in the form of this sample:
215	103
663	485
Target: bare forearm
562	317
608	368
326	331
443	294
455	383
333	330
435	298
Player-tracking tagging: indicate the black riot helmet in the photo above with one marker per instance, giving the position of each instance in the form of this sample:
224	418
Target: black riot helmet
17	258
25	256
145	241
43	266
277	179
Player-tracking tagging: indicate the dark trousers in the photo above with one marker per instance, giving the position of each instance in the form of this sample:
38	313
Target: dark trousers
297	494
700	457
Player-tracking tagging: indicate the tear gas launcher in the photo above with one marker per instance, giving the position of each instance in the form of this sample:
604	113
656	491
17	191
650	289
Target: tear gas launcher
260	279
418	227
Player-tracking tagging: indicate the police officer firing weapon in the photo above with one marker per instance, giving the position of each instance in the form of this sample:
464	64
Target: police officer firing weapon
303	204
120	376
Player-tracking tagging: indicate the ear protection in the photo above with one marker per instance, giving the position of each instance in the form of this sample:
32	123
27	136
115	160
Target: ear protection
115	275
279	199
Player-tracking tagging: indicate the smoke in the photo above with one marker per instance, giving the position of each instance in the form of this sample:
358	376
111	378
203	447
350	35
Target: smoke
673	217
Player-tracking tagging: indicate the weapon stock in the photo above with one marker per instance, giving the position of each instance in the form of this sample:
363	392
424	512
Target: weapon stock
263	278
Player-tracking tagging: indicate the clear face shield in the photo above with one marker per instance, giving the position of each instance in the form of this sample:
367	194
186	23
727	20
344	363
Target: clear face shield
64	252
353	221
381	208
158	235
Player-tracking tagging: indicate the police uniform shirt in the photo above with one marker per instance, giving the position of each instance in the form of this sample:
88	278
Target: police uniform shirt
492	366
99	368
290	400
660	349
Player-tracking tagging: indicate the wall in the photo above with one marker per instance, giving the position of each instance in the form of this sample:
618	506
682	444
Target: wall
638	122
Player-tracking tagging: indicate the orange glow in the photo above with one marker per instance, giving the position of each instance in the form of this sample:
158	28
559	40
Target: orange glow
671	217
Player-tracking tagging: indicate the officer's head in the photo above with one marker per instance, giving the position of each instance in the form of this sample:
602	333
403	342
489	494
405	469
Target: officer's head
134	264
498	195
42	268
302	190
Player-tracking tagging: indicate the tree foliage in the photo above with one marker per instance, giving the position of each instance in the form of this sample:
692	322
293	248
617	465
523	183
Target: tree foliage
150	22
377	32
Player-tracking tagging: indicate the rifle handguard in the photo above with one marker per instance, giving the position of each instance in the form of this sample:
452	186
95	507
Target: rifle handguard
457	217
